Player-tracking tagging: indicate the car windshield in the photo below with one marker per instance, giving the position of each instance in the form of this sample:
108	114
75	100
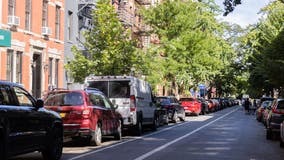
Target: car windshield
186	99
64	99
266	103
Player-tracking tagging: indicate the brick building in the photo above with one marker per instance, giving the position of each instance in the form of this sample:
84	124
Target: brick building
36	56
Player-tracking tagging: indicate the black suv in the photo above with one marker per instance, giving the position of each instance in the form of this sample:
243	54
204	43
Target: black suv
25	126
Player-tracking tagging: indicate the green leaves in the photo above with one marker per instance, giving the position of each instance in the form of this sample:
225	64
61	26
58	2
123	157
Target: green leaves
190	39
264	45
110	51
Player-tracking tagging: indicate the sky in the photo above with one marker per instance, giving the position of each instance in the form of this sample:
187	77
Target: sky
244	14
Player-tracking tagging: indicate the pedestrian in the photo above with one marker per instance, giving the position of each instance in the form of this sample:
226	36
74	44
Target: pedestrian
246	105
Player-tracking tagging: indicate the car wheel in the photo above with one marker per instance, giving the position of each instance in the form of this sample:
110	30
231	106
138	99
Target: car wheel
175	117
118	133
2	146
182	118
53	148
269	134
138	128
96	138
155	124
281	143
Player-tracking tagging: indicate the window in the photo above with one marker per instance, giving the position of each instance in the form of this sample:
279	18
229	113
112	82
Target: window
56	73
69	25
28	15
57	22
23	97
50	71
11	7
19	64
5	95
96	100
44	13
9	67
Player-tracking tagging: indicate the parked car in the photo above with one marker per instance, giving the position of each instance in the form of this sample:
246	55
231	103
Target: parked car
282	135
26	126
204	105
175	110
87	114
133	97
260	110
192	106
162	114
275	118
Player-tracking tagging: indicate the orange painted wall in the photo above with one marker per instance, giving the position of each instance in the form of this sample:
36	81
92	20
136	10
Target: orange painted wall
35	34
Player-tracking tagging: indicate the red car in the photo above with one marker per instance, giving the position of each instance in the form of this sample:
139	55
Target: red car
191	106
86	114
260	110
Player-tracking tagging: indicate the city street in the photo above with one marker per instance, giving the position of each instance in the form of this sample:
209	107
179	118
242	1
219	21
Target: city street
227	134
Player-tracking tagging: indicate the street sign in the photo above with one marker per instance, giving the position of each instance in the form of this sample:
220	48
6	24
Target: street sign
5	38
201	86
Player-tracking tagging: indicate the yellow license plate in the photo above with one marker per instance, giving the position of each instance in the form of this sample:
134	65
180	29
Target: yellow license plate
62	115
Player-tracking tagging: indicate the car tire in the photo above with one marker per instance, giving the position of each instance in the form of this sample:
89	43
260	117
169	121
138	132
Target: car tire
96	138
182	118
281	143
269	134
155	123
118	133
138	128
175	117
3	155
54	146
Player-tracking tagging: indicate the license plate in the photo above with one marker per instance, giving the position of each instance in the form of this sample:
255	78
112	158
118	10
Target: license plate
62	115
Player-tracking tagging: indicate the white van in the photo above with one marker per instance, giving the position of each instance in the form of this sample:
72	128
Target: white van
133	97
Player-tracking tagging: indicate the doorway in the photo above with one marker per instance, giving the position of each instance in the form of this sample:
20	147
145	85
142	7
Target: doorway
36	75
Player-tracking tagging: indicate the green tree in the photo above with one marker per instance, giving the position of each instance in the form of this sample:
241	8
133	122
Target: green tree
191	43
110	50
264	52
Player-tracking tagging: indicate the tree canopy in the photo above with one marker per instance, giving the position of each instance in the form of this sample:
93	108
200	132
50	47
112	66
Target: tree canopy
109	48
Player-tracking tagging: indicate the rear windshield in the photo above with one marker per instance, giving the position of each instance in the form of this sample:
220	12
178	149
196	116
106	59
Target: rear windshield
186	99
266	103
113	89
163	100
101	85
280	105
64	99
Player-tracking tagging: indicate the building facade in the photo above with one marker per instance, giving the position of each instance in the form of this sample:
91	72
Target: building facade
36	56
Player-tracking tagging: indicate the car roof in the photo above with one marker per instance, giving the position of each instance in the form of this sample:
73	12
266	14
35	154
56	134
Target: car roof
87	90
11	83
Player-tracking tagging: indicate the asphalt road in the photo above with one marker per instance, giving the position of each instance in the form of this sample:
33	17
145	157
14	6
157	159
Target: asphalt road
225	135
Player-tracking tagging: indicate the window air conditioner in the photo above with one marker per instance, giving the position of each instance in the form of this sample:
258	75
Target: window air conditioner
13	20
46	31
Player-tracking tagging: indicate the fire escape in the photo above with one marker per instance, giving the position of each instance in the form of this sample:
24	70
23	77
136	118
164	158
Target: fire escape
124	14
141	30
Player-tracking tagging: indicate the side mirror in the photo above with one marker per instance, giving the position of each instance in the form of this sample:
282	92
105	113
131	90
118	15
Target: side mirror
113	101
39	103
115	106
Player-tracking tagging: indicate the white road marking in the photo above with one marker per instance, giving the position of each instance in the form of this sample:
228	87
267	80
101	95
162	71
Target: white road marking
127	141
137	138
144	156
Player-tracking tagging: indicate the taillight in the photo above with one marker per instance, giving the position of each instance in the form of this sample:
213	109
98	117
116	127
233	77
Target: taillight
277	111
132	103
86	113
